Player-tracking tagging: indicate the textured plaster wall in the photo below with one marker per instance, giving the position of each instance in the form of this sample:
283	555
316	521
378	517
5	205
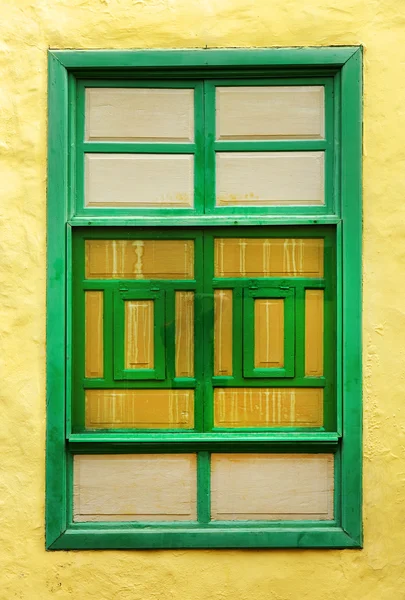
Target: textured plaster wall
27	29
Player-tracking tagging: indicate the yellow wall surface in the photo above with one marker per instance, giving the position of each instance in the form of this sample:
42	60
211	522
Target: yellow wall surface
27	30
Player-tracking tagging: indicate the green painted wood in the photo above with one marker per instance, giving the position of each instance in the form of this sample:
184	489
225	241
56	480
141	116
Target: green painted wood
55	519
342	174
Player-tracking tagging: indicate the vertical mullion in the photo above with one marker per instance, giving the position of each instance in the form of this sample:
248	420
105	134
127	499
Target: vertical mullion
170	345
199	333
209	114
78	196
208	313
203	487
300	329
199	154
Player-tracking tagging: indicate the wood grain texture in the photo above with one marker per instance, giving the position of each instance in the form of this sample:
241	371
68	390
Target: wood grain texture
272	487
223	332
139	114
139	259
139	409
139	180
134	487
268	257
269	333
139	338
314	330
270	178
94	336
268	407
270	112
184	332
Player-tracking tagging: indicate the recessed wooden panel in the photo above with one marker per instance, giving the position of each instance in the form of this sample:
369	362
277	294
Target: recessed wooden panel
139	259
184	328
135	487
314	325
269	178
139	328
139	115
139	409
269	333
139	180
268	407
272	487
223	332
271	257
94	360
270	112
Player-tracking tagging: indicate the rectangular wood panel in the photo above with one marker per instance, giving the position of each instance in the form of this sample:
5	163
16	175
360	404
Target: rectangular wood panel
135	487
314	329
268	407
272	487
270	112
223	322
139	114
184	332
139	329
139	180
268	257
139	259
269	333
94	337
270	178
139	409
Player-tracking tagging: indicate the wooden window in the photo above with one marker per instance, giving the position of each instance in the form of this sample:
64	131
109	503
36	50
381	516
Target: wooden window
204	286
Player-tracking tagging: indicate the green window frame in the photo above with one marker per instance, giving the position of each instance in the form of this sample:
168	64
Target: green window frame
337	221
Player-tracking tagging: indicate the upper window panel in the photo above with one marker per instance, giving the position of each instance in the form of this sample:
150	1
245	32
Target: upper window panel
226	147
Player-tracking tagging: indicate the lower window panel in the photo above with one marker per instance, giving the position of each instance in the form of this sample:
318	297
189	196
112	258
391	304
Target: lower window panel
203	487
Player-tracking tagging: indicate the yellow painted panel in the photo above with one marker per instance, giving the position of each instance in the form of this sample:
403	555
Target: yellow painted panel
222	332
140	180
272	487
139	327
139	259
314	326
184	327
270	178
270	112
139	114
268	257
268	407
135	487
139	409
269	333
94	359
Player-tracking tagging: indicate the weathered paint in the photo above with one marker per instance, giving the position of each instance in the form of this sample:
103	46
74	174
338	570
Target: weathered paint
27	29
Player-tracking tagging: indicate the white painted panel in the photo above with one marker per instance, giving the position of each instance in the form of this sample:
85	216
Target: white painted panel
271	486
269	178
135	487
135	114
157	180
270	112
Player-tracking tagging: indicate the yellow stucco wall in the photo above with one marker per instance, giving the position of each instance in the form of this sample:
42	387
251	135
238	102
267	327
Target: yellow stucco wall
27	29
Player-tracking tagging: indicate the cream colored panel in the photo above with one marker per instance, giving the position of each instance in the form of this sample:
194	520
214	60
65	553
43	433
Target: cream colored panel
269	178
139	342
264	112
222	332
314	324
139	259
135	487
139	180
268	407
184	327
94	360
139	409
139	115
272	486
271	257
269	333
